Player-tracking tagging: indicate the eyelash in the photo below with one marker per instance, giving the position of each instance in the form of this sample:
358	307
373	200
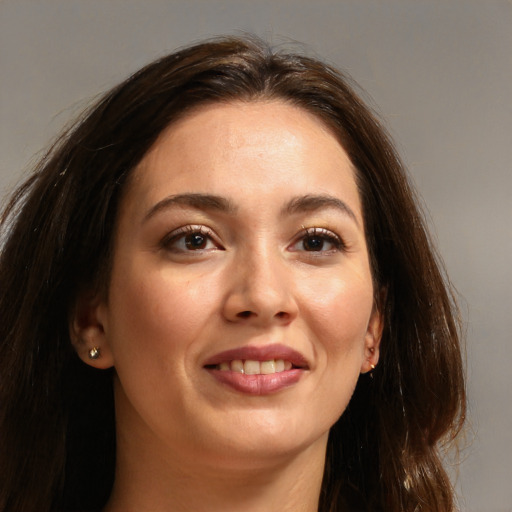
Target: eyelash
322	235
169	242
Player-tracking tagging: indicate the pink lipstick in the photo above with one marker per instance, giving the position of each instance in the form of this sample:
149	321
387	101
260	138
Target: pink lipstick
258	370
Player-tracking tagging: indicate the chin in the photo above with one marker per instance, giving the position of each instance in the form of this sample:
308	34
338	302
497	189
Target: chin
260	439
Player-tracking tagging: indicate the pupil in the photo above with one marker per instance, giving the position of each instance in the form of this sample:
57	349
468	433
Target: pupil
313	244
195	241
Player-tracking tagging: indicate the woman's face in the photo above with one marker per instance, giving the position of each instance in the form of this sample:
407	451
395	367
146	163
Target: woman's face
240	309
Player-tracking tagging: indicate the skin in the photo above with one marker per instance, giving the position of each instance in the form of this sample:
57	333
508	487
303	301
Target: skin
185	440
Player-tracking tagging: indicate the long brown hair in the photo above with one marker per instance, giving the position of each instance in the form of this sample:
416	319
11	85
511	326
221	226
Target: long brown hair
57	440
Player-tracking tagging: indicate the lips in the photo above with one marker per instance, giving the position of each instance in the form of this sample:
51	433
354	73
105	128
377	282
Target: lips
258	370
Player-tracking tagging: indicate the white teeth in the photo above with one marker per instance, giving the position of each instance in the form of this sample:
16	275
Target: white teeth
279	365
253	367
268	367
237	366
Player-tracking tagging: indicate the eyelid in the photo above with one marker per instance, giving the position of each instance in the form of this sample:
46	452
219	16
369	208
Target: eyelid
326	234
176	234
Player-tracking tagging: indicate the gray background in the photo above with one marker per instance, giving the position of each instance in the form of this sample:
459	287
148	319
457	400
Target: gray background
440	73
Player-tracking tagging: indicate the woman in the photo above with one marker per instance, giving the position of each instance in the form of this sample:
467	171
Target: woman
228	241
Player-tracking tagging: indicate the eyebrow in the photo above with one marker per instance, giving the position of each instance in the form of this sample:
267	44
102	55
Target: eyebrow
310	203
199	201
307	203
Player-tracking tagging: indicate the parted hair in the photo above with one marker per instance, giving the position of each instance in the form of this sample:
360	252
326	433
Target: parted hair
57	436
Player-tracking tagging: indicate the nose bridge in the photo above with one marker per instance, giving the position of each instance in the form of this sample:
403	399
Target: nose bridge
260	287
265	273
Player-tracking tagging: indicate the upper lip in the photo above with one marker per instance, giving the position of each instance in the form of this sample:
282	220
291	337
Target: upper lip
261	353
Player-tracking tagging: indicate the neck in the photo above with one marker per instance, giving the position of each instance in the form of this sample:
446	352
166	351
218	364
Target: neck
152	480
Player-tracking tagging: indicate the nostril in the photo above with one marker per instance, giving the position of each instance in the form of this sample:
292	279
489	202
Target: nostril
282	314
244	314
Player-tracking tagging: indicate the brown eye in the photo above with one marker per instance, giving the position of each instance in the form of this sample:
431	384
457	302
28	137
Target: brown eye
194	241
319	240
190	239
313	243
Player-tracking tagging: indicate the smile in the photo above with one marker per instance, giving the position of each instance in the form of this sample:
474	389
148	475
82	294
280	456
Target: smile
254	367
258	370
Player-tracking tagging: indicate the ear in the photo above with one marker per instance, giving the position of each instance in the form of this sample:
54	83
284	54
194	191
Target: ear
372	340
88	331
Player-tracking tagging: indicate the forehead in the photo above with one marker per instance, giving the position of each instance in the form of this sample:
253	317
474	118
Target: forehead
255	146
241	123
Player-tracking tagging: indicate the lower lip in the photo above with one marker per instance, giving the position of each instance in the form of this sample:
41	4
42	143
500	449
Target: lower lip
258	384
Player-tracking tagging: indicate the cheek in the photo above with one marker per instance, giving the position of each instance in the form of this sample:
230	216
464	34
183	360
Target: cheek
155	326
338	322
340	311
158	311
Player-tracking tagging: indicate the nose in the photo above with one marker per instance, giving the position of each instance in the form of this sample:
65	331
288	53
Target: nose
260	291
